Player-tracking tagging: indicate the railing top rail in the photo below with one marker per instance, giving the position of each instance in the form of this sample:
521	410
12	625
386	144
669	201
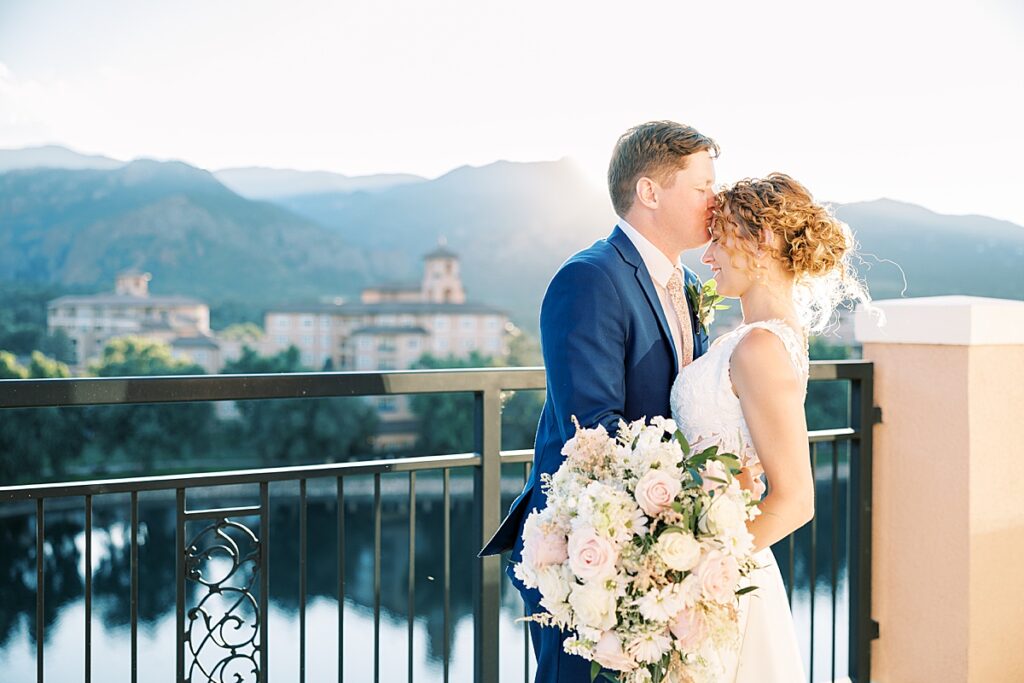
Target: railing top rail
251	476
85	391
294	473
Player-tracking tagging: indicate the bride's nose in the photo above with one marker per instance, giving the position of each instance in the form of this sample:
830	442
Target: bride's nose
706	258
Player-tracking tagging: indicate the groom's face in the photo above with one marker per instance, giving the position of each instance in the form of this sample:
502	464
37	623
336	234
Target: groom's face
689	200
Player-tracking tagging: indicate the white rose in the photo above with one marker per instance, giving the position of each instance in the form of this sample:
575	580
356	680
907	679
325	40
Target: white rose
727	515
679	550
552	583
594	605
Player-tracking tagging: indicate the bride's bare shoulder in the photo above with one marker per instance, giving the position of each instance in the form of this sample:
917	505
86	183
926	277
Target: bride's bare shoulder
761	359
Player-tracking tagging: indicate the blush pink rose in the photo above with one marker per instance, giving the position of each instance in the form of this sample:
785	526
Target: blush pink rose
590	556
545	549
719	574
690	628
656	490
609	654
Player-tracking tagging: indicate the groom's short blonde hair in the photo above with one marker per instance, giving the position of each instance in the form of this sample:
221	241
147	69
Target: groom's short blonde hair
656	150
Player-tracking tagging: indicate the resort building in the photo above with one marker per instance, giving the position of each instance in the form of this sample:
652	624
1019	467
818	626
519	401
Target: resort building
90	321
390	328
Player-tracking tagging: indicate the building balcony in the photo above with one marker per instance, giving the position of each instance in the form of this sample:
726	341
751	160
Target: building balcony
366	569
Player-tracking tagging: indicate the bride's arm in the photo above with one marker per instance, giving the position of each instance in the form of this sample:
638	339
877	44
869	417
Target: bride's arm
772	398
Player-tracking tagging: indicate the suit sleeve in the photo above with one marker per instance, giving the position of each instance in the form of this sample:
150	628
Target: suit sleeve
583	338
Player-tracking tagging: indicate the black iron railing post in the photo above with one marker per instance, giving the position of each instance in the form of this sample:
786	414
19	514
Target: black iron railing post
863	629
487	516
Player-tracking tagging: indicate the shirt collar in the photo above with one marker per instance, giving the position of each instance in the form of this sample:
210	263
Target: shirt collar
658	265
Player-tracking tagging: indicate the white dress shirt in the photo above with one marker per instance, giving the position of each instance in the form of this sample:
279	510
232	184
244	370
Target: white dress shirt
660	267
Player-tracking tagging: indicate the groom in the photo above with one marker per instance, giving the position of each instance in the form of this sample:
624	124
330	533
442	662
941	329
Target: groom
616	326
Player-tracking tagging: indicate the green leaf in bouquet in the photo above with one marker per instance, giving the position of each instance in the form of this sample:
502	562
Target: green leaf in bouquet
687	521
696	475
595	669
744	591
671	529
683	443
677	506
702	457
718	479
726	458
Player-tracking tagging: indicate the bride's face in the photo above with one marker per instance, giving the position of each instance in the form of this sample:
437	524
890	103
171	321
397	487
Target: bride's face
730	270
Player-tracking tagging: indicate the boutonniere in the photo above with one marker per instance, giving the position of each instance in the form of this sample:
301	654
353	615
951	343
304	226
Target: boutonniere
705	302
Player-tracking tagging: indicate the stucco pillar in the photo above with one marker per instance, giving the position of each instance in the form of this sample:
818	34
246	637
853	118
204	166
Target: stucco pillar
948	517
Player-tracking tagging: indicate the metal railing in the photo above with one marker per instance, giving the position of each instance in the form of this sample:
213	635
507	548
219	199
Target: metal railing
209	649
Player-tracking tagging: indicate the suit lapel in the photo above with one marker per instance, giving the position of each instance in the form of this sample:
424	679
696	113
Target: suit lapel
630	255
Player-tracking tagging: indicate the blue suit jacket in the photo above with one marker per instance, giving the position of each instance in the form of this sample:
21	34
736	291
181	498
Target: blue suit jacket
608	354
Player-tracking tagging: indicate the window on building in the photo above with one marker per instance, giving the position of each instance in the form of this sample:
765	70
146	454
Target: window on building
281	339
325	322
440	322
307	340
281	322
441	345
387	404
413	344
492	322
325	341
467	322
386	320
307	321
468	344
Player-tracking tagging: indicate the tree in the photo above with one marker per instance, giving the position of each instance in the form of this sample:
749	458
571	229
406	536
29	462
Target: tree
243	332
139	356
36	442
446	420
148	435
10	368
827	402
301	430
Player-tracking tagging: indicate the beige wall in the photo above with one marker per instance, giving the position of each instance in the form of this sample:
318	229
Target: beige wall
996	391
948	518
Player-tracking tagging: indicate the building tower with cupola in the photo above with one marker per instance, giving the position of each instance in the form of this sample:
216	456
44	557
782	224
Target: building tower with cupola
442	283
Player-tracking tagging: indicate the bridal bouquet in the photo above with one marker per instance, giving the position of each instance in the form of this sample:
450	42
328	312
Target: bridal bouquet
641	552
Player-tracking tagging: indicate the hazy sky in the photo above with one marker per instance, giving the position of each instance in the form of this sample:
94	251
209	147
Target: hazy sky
919	101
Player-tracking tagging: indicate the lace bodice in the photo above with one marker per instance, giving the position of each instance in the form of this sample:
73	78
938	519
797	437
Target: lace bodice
703	404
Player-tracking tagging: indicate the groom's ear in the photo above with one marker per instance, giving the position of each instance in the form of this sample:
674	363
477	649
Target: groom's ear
647	192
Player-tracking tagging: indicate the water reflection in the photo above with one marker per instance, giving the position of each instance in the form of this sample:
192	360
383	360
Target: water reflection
65	570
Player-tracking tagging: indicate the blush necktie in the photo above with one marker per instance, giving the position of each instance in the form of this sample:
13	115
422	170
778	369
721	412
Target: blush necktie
678	297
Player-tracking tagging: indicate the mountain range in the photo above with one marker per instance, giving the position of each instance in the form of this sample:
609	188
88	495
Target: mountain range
260	237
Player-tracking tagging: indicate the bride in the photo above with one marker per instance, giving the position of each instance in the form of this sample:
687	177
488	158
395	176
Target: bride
785	257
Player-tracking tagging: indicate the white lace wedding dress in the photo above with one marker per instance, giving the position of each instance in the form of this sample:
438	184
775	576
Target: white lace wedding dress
708	413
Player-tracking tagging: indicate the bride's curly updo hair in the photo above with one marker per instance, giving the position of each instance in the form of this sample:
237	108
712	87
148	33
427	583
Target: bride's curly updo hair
806	238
